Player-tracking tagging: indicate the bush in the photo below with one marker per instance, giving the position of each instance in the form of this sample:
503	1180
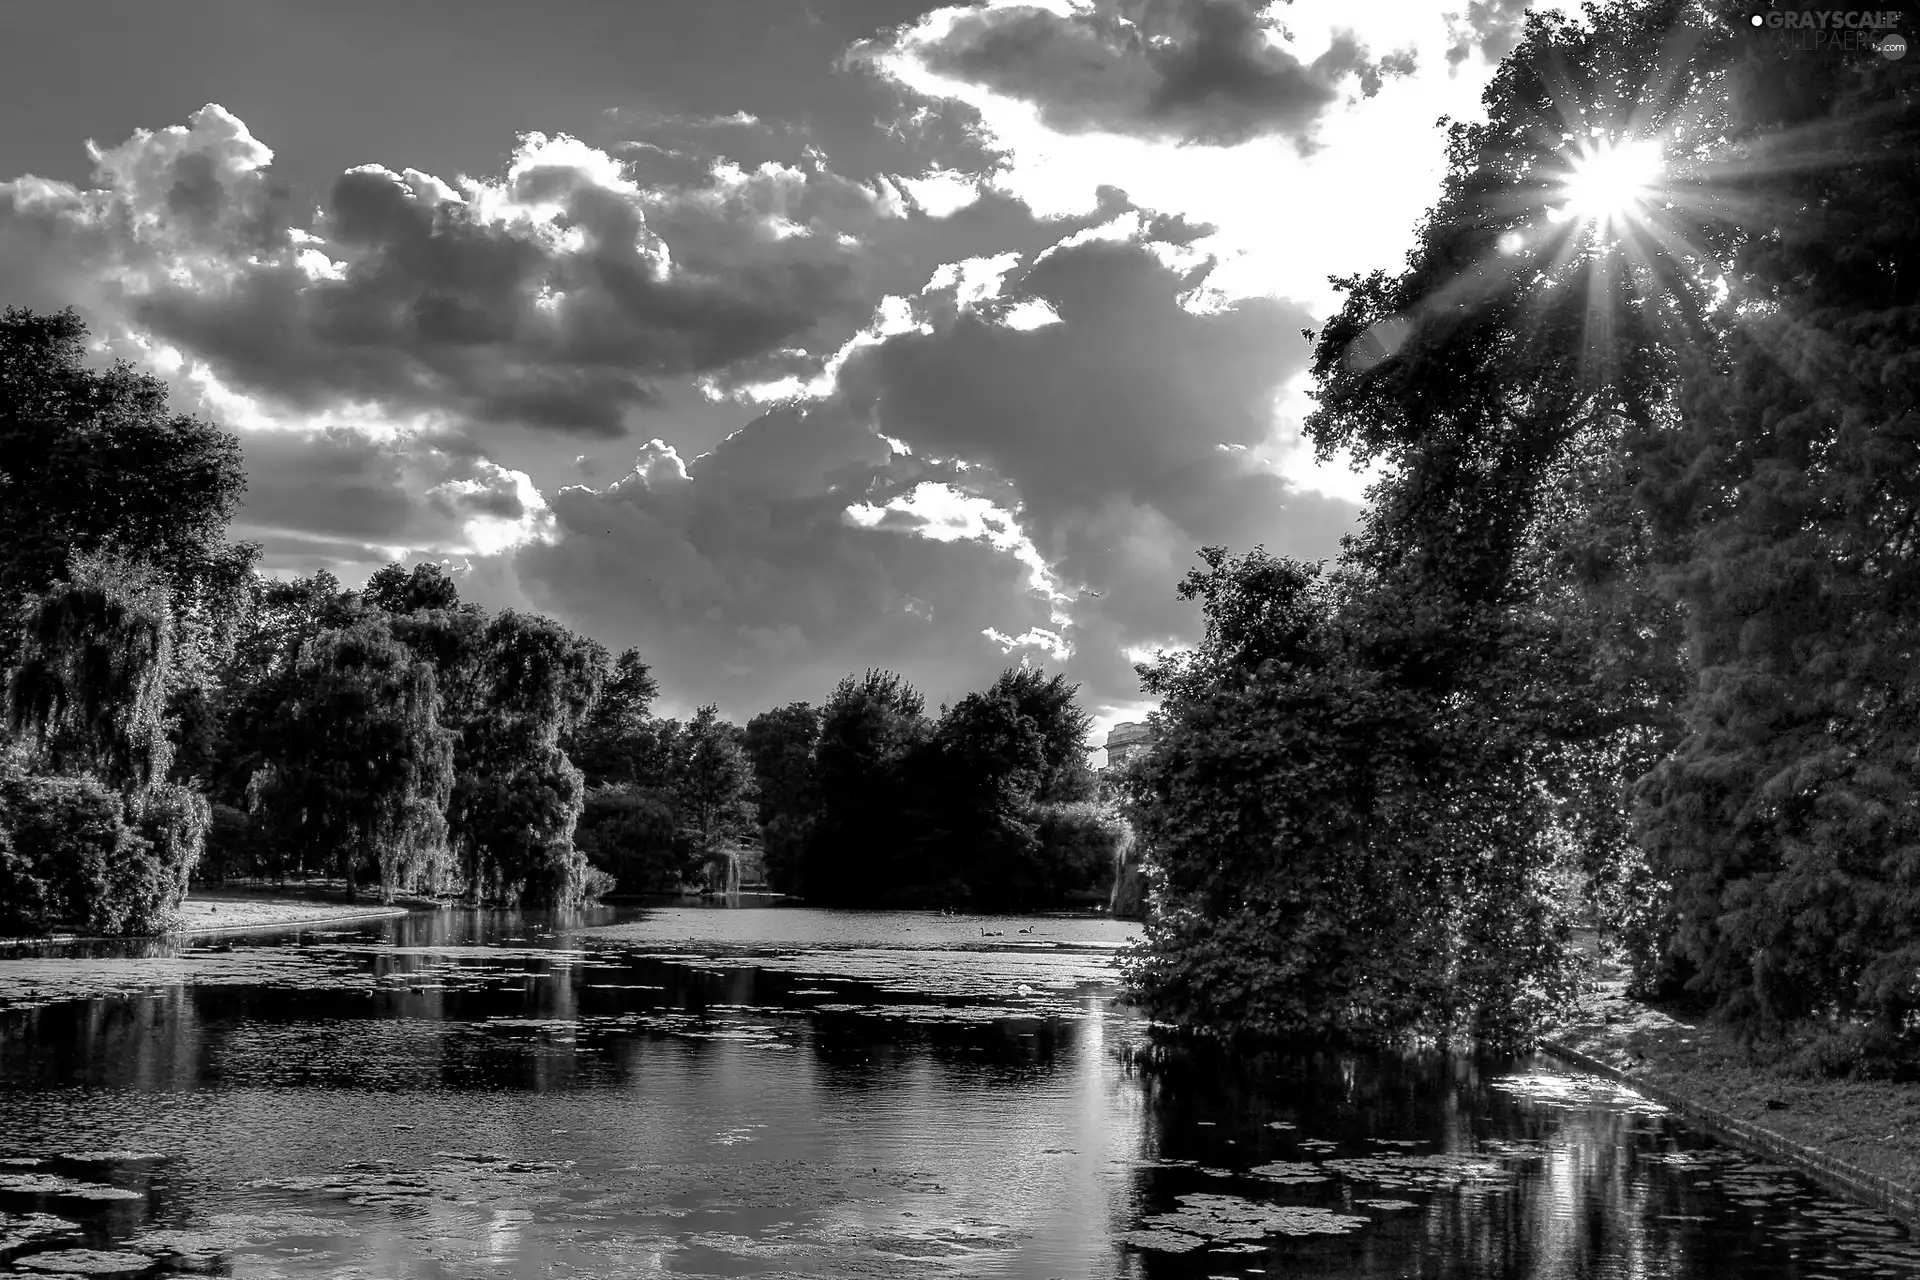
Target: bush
74	853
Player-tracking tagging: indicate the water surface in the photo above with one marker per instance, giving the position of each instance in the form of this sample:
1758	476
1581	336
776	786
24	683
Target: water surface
783	1092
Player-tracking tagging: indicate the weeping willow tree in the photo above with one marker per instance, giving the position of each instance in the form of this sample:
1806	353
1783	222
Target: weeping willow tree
89	685
518	797
91	833
359	771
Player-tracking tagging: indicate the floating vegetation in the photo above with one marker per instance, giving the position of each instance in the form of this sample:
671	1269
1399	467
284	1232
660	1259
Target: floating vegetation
1203	1218
52	1184
18	1230
1437	1172
1288	1172
86	1262
1388	1205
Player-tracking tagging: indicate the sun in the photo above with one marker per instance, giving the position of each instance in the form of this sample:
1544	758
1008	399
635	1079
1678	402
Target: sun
1610	181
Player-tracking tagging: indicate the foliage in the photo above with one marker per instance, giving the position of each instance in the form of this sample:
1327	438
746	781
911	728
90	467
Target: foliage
89	683
426	588
985	805
712	783
633	835
869	727
359	769
1340	854
1081	843
76	853
517	797
1786	504
1049	702
780	746
94	462
985	763
616	744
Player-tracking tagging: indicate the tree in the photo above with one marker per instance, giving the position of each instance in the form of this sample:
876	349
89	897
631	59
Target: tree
359	770
89	682
615	743
711	784
106	843
94	461
780	746
988	760
1050	703
856	851
396	590
1340	853
517	797
1785	505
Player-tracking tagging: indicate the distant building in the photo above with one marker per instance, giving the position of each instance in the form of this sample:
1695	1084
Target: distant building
1125	741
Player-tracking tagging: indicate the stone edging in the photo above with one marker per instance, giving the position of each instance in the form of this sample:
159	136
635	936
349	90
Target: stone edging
1894	1199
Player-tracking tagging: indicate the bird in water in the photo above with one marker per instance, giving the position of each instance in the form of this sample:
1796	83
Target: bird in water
985	933
1028	929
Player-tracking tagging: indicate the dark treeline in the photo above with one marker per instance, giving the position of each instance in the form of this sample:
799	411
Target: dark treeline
1629	630
867	800
172	712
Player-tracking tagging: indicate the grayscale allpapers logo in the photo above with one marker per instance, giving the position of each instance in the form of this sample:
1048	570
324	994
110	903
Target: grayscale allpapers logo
1817	29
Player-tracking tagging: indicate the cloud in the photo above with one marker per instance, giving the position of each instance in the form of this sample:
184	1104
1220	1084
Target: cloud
770	567
1209	72
1491	26
340	488
545	297
1105	425
959	489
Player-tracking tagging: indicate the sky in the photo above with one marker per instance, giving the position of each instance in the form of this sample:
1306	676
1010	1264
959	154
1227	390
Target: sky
779	339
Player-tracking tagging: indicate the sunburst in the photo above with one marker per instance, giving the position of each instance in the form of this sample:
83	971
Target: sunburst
1610	181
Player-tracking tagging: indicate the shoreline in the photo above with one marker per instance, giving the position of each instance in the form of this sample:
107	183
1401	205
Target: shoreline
1859	1139
201	916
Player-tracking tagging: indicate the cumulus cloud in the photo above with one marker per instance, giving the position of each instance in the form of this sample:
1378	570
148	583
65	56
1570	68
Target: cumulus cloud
966	421
544	297
1106	424
964	486
1211	72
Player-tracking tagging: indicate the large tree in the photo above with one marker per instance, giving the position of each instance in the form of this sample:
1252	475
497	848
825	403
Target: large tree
358	769
857	850
517	797
94	460
1786	502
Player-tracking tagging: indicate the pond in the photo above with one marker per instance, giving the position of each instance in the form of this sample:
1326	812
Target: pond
695	1091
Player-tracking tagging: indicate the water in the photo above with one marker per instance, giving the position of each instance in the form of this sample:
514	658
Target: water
773	1092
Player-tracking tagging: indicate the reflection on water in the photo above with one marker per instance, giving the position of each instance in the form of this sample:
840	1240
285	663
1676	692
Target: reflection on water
769	1092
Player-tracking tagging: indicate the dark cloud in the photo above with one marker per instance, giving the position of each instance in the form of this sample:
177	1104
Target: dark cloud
543	298
1197	71
745	581
802	547
1109	426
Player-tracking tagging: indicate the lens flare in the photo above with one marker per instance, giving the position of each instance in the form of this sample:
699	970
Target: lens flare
1609	182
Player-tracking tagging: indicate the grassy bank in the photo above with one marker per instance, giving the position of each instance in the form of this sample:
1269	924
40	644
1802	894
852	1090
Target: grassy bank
1873	1125
228	911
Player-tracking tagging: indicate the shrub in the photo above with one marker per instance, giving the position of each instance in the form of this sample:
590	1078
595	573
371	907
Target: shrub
75	853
